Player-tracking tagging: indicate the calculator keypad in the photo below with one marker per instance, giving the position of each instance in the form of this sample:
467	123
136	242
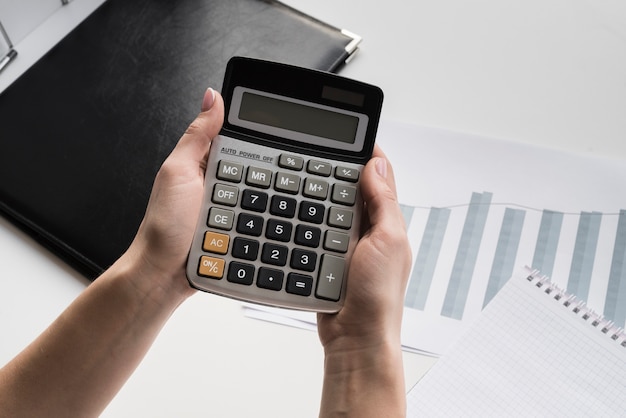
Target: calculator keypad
284	226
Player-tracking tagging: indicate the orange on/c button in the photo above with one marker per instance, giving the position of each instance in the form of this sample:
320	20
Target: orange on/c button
211	267
215	243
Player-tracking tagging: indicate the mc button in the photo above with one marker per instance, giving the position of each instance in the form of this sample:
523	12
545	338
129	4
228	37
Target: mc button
229	171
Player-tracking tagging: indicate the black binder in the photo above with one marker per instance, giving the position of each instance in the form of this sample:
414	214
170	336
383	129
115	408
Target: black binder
84	131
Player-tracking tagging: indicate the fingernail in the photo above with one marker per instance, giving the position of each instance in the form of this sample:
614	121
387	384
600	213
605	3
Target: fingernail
209	99
381	167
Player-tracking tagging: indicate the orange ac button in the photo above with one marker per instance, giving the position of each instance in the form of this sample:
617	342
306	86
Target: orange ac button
211	267
215	243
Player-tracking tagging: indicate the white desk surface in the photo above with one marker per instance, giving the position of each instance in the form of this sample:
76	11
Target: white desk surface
541	71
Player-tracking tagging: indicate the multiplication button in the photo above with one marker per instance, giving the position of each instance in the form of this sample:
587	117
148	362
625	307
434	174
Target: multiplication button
341	218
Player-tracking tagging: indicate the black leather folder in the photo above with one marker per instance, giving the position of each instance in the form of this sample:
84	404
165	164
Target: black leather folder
84	131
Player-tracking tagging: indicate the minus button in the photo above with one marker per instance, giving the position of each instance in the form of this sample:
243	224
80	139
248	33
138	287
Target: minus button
336	241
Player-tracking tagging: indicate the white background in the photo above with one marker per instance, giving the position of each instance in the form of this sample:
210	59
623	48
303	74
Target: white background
546	72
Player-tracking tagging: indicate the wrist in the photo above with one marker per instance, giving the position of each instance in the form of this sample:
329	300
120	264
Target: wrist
364	381
148	283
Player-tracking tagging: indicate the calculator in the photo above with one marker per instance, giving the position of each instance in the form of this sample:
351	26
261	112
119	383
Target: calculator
282	206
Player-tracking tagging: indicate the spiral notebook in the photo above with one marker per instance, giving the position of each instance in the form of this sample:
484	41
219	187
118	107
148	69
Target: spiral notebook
535	350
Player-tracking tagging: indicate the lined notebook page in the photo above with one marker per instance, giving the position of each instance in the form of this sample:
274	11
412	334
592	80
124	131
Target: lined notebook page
530	353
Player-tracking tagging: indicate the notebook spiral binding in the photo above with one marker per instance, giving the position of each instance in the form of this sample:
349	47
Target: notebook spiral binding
578	307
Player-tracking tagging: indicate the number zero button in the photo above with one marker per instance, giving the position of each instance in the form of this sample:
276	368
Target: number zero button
241	273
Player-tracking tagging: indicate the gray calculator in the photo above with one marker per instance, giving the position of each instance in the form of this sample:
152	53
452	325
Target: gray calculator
282	206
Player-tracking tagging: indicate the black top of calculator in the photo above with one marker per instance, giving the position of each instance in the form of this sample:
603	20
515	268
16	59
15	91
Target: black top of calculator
303	86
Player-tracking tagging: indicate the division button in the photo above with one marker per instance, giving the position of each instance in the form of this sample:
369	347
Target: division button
343	194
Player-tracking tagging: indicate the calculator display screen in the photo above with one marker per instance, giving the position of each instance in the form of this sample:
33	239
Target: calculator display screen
298	117
300	121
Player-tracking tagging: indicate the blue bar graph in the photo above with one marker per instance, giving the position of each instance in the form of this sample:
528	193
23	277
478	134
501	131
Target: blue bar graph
426	259
506	252
547	241
541	232
584	254
615	305
465	261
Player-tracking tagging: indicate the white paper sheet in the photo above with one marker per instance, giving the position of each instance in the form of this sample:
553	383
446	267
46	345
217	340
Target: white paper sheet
539	193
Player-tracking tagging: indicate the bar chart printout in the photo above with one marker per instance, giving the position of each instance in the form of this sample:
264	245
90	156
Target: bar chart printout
571	246
478	209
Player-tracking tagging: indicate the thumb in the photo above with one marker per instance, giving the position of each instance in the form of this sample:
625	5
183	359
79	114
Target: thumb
378	189
195	142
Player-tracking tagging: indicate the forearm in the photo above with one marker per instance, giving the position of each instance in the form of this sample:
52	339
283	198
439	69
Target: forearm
80	362
364	383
